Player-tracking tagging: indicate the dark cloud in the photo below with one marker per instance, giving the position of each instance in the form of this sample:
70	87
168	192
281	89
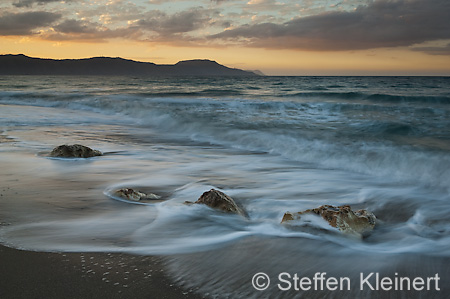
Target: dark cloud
185	21
382	23
96	36
25	23
75	26
445	50
29	3
155	25
89	31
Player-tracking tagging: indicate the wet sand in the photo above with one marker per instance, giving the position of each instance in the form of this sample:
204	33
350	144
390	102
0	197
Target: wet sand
27	274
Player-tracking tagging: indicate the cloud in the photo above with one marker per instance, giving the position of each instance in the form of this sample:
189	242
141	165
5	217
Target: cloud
181	22
88	31
25	23
382	23
223	1
263	4
345	25
149	26
96	36
75	26
29	3
444	50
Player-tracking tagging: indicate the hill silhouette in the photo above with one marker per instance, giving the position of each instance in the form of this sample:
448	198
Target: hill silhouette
106	66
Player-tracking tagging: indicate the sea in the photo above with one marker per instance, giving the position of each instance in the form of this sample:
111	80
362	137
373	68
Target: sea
274	144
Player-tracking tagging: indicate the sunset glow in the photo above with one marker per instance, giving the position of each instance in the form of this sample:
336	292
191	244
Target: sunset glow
400	37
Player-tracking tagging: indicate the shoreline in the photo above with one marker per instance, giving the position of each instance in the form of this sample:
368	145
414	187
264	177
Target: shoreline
30	274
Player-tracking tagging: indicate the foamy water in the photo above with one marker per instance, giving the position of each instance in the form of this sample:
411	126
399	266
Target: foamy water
273	144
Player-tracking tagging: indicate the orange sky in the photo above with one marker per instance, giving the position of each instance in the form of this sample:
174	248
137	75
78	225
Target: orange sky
276	37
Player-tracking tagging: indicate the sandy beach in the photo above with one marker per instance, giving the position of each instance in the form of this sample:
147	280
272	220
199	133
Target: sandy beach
27	274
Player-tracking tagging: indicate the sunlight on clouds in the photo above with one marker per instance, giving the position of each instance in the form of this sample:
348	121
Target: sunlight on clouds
24	40
271	62
132	22
105	19
277	37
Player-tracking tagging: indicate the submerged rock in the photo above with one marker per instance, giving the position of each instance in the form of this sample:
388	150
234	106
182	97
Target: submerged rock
220	201
130	194
74	151
342	217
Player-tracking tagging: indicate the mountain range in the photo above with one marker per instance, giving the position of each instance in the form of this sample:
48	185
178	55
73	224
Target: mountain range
107	66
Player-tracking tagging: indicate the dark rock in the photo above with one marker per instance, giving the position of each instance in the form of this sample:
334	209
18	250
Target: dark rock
220	201
74	151
130	194
341	217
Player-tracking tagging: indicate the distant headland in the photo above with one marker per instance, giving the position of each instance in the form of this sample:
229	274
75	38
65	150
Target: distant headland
107	66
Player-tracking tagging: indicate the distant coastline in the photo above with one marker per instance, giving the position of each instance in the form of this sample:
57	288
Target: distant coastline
108	66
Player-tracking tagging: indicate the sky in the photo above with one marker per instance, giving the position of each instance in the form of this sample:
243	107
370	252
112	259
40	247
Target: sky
277	37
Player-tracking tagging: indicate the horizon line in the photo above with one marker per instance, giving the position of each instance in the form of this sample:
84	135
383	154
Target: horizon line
212	60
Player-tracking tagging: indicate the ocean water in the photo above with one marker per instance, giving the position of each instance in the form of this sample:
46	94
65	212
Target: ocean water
274	144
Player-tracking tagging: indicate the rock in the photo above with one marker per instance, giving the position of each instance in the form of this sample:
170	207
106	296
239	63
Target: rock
74	151
342	217
220	201
130	194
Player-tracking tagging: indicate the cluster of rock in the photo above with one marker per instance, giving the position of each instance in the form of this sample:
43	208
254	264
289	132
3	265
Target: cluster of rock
220	201
342	218
74	151
130	194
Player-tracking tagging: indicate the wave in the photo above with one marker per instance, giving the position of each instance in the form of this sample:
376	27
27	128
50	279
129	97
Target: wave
390	128
375	139
409	99
239	89
270	151
376	98
199	93
303	132
171	227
